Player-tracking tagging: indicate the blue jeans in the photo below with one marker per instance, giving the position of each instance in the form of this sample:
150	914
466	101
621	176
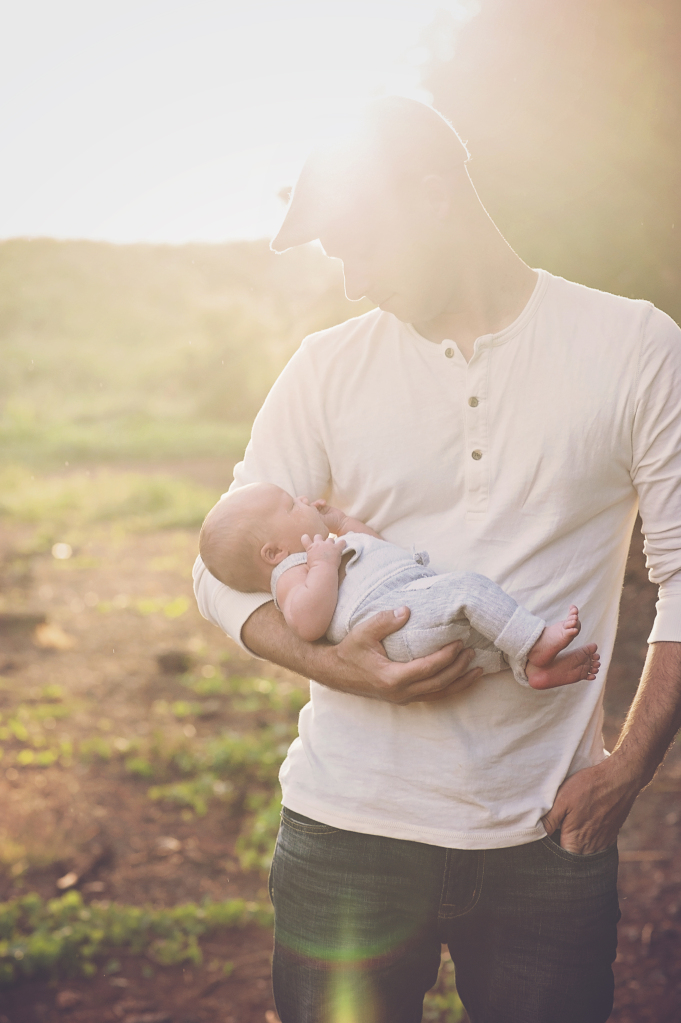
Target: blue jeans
359	922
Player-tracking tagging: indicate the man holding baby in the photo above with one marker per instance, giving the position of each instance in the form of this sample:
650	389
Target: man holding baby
512	424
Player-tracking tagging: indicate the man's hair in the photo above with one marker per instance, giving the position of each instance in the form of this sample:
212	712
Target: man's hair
411	137
229	546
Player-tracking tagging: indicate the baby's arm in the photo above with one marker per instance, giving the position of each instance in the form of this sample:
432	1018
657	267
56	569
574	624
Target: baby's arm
339	523
307	594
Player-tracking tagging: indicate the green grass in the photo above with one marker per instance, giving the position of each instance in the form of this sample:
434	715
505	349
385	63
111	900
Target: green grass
64	936
65	504
56	444
442	1003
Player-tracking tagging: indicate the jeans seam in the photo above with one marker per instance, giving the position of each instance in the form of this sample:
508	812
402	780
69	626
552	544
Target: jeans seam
477	890
308	829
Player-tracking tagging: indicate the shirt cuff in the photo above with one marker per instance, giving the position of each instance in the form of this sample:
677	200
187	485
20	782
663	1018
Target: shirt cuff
228	609
667	624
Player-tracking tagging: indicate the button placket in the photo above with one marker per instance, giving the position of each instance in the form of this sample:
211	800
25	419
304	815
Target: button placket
477	440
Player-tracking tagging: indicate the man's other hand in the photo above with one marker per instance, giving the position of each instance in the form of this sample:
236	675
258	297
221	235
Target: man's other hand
365	670
591	807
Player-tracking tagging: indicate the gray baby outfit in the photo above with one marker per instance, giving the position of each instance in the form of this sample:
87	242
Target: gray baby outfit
457	605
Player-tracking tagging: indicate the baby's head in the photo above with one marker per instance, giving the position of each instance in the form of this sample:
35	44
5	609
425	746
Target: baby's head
251	530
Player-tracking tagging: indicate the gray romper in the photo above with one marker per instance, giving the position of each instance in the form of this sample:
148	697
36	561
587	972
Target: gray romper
457	605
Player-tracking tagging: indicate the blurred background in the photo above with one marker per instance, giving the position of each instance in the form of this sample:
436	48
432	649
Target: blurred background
146	152
169	126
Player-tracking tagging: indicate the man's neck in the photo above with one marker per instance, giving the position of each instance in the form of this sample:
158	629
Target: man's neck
491	287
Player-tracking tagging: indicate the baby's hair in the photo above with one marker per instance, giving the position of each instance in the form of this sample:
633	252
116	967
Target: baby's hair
229	546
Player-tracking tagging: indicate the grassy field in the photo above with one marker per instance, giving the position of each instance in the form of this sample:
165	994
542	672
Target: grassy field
139	758
119	353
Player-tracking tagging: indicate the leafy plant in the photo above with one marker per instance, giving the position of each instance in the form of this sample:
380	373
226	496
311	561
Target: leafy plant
65	936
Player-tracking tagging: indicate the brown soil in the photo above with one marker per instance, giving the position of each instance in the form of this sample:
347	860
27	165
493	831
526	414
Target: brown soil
97	821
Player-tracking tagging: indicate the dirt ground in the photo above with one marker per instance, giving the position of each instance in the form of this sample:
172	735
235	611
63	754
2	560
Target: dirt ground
95	820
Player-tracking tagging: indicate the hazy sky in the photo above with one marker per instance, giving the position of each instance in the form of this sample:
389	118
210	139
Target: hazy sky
177	120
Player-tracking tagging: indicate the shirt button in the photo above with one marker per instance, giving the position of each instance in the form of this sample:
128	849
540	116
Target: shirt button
473	402
477	455
449	352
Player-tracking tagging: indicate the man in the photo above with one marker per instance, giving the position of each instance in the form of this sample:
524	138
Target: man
510	423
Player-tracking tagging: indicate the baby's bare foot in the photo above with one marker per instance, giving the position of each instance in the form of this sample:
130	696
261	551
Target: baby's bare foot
555	638
575	666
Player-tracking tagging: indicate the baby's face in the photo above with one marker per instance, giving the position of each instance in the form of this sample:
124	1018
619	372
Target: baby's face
289	518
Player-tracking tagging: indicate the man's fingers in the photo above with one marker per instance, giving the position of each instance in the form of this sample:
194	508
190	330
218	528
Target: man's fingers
457	685
438	670
555	818
383	624
549	823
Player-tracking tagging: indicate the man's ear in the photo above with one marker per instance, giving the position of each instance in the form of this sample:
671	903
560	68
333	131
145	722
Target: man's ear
272	554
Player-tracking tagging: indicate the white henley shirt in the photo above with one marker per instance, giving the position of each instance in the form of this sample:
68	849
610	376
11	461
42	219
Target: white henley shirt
528	465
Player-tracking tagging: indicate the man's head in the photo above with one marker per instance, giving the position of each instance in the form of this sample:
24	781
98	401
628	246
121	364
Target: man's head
383	198
253	529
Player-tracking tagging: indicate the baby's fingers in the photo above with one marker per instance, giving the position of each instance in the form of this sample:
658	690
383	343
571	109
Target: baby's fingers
306	541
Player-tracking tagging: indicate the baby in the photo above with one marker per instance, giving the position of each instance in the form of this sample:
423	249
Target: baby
260	538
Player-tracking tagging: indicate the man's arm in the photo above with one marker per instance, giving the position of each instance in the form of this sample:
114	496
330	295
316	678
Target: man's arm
593	804
359	665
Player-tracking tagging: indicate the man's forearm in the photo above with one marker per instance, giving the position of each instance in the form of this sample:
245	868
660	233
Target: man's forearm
267	635
359	665
655	715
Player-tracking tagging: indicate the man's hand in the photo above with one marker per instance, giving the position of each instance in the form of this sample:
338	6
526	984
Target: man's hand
359	664
367	671
591	807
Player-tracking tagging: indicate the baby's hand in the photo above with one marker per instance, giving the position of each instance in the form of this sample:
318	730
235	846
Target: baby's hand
323	551
333	517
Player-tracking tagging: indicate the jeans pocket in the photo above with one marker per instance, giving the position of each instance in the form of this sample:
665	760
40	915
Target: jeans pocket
552	842
305	825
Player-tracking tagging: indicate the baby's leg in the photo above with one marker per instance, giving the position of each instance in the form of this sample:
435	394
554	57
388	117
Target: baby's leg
466	606
511	628
547	670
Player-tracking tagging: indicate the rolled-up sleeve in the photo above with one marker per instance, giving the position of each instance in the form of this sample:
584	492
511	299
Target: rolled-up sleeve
656	467
284	449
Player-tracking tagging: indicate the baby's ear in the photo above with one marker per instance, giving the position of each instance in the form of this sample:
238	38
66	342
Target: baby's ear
272	554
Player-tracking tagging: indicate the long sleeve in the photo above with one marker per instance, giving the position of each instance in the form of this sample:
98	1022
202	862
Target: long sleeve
284	449
656	467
